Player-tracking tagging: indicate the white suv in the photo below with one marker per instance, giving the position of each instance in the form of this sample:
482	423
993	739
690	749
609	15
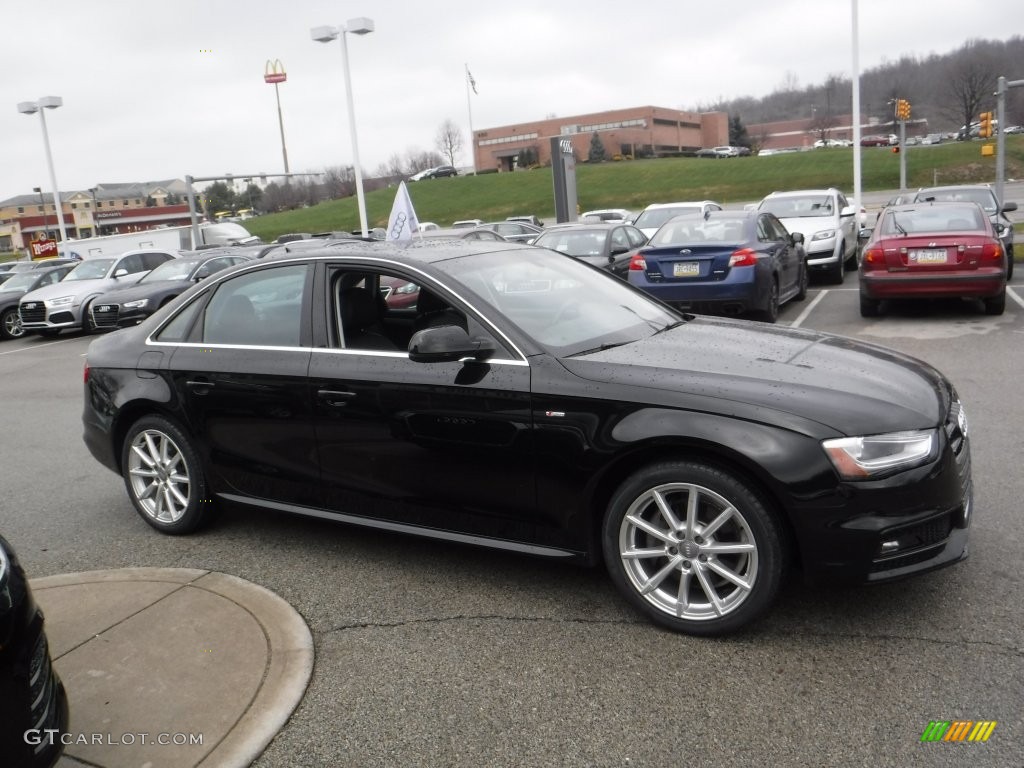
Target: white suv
828	223
656	214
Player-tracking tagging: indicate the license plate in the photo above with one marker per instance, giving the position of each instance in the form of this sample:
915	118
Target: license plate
685	269
929	256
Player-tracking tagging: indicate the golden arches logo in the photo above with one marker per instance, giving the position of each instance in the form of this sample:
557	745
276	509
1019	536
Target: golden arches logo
274	72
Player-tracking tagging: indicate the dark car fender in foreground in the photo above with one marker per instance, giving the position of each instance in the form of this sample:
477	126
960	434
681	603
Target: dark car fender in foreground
33	704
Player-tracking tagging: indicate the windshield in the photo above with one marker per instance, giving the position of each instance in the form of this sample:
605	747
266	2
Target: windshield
655	217
21	282
575	242
90	270
932	220
690	229
982	197
175	269
563	304
805	206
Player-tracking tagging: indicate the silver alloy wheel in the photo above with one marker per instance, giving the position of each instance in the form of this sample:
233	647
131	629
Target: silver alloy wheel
12	325
688	551
159	476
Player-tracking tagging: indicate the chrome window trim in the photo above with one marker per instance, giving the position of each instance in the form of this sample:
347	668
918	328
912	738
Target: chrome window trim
320	350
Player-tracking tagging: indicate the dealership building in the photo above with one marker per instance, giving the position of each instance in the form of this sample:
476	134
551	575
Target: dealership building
633	132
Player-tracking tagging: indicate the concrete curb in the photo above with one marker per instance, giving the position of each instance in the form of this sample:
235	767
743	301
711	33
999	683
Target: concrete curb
126	643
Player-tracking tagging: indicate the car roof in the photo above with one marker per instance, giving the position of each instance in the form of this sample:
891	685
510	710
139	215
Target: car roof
655	206
425	250
802	192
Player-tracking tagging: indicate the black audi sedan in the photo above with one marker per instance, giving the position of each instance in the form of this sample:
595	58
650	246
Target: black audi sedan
33	704
129	306
530	402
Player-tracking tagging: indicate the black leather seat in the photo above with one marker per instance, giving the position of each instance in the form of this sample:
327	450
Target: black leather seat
360	321
433	312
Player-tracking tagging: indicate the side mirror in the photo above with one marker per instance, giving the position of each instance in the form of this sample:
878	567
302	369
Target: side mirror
120	272
617	250
847	211
864	233
1007	207
202	273
447	344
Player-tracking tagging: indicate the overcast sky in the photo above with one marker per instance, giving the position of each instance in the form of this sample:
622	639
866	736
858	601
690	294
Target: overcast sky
156	90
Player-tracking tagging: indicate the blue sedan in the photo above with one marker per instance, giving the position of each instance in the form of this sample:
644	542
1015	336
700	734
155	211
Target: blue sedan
723	262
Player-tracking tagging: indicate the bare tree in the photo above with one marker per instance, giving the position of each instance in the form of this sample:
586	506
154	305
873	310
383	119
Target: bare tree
419	160
339	181
972	79
449	140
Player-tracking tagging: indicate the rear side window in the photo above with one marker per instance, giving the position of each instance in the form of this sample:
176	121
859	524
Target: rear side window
263	308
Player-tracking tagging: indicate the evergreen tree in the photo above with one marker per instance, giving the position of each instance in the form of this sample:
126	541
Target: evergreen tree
738	132
596	153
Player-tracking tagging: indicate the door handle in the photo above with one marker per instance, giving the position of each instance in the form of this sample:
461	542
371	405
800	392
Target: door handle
335	397
200	387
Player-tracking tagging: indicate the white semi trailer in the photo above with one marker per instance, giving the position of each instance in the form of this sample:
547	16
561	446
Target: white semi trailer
166	238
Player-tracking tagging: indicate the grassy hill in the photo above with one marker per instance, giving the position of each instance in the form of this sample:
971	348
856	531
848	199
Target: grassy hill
635	184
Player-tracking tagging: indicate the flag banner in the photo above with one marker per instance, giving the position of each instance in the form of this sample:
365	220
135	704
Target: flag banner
402	224
472	82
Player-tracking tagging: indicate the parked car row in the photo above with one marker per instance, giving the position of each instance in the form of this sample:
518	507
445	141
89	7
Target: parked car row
693	255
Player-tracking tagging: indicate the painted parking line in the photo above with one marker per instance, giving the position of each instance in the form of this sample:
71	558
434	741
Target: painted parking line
37	346
808	309
1013	295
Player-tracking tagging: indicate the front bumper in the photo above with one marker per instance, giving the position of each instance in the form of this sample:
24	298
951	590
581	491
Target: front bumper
883	530
36	315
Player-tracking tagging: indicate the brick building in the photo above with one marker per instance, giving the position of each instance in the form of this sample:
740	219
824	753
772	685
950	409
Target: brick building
637	132
105	209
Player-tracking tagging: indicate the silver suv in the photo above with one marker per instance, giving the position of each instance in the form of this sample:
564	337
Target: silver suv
52	309
828	223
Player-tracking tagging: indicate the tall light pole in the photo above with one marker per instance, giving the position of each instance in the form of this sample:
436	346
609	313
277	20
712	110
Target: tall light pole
42	207
360	26
274	73
40	106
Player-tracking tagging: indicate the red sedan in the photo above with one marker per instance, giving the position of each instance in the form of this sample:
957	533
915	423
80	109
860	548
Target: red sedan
933	250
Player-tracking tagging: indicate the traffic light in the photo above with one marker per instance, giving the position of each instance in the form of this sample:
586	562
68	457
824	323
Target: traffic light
985	129
902	109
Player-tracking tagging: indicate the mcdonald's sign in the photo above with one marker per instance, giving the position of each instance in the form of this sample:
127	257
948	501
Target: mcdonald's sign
958	730
274	72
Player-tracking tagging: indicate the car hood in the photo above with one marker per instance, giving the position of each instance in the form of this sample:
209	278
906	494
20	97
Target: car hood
808	225
6	296
143	291
73	288
793	378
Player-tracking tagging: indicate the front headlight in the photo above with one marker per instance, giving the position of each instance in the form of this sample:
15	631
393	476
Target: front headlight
825	234
862	458
63	301
135	304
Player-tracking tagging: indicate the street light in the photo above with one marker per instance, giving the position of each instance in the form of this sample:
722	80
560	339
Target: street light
360	26
40	106
42	207
95	220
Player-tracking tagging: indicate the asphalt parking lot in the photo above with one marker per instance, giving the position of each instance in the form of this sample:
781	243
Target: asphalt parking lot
432	654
